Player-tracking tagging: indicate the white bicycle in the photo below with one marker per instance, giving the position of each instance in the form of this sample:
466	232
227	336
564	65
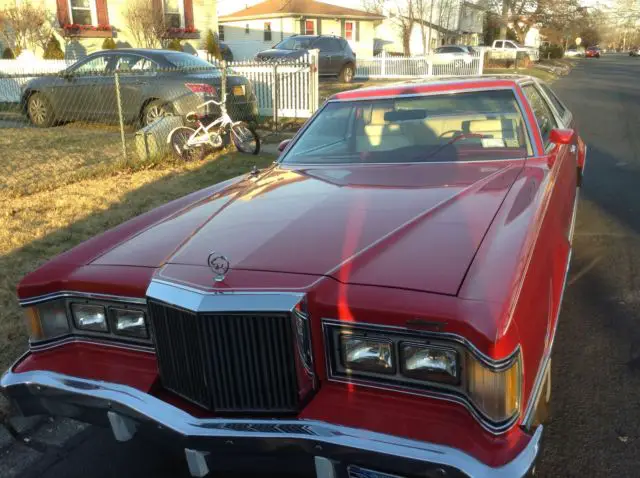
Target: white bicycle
191	144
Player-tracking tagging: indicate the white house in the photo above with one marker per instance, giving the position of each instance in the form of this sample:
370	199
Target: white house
533	38
442	22
260	26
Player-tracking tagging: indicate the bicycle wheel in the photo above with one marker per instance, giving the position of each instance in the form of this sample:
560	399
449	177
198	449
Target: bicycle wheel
245	138
181	150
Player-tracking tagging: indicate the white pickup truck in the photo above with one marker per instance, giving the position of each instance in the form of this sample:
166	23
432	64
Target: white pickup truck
509	49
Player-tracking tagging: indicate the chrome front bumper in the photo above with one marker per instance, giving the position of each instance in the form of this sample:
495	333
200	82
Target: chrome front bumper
332	447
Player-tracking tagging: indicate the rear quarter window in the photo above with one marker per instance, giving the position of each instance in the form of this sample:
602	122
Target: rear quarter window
542	111
554	100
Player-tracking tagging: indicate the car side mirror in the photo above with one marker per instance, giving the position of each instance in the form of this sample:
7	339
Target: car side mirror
283	145
562	136
559	136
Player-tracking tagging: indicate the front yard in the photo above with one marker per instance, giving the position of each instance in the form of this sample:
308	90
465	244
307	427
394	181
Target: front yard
62	186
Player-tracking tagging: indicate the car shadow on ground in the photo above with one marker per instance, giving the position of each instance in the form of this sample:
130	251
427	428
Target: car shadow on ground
597	349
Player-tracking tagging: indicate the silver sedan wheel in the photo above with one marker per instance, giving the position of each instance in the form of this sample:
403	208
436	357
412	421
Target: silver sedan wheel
153	113
38	110
347	75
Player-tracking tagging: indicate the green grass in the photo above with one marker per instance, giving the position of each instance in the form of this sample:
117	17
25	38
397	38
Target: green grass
61	186
536	72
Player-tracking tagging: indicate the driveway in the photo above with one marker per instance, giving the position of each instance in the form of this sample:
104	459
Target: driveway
595	428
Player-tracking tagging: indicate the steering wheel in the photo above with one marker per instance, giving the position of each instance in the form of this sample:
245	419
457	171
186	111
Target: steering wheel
457	135
451	132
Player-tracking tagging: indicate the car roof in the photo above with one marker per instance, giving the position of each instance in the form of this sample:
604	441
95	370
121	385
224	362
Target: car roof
150	52
441	84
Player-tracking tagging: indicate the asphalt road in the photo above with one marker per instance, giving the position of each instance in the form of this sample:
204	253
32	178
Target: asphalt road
595	427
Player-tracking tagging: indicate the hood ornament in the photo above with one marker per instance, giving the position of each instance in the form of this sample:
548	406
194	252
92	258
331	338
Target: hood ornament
219	264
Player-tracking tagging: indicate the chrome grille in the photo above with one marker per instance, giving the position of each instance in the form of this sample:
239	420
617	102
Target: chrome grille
227	362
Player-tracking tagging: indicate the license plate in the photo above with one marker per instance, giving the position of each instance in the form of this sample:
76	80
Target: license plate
357	472
238	90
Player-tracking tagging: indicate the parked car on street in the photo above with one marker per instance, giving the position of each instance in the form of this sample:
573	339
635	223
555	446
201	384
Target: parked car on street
415	335
153	83
509	48
335	57
457	55
573	53
634	51
592	52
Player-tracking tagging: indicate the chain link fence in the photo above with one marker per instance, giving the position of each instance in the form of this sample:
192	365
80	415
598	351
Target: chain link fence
123	107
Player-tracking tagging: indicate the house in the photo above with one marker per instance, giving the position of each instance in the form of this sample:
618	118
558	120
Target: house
82	25
471	24
443	22
533	37
260	26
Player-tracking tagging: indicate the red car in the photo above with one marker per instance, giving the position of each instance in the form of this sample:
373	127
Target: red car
592	52
380	302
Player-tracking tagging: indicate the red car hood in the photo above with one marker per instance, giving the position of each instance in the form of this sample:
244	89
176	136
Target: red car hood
412	226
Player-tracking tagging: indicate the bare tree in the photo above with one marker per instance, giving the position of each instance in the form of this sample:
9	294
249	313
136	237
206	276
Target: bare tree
400	12
146	25
27	25
423	10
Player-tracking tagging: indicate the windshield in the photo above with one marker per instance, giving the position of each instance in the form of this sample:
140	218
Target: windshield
184	60
294	43
471	126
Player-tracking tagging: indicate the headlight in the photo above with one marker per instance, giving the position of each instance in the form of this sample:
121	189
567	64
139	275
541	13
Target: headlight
496	394
129	322
437	364
367	354
429	364
47	320
90	317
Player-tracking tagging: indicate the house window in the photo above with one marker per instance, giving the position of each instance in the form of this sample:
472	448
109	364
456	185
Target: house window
348	30
246	29
309	27
174	13
83	12
221	32
267	31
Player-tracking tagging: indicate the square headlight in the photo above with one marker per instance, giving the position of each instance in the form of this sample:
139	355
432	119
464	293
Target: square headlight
129	322
367	354
90	317
430	363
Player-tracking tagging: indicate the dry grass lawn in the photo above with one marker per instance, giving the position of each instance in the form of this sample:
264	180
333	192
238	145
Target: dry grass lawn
61	186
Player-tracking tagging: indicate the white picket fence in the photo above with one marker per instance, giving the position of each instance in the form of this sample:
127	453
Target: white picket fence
292	86
389	67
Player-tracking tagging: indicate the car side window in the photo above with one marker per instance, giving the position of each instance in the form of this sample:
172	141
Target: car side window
508	44
499	44
335	45
327	45
97	64
126	63
542	111
554	99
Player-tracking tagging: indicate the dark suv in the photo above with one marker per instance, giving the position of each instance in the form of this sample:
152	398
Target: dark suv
336	56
